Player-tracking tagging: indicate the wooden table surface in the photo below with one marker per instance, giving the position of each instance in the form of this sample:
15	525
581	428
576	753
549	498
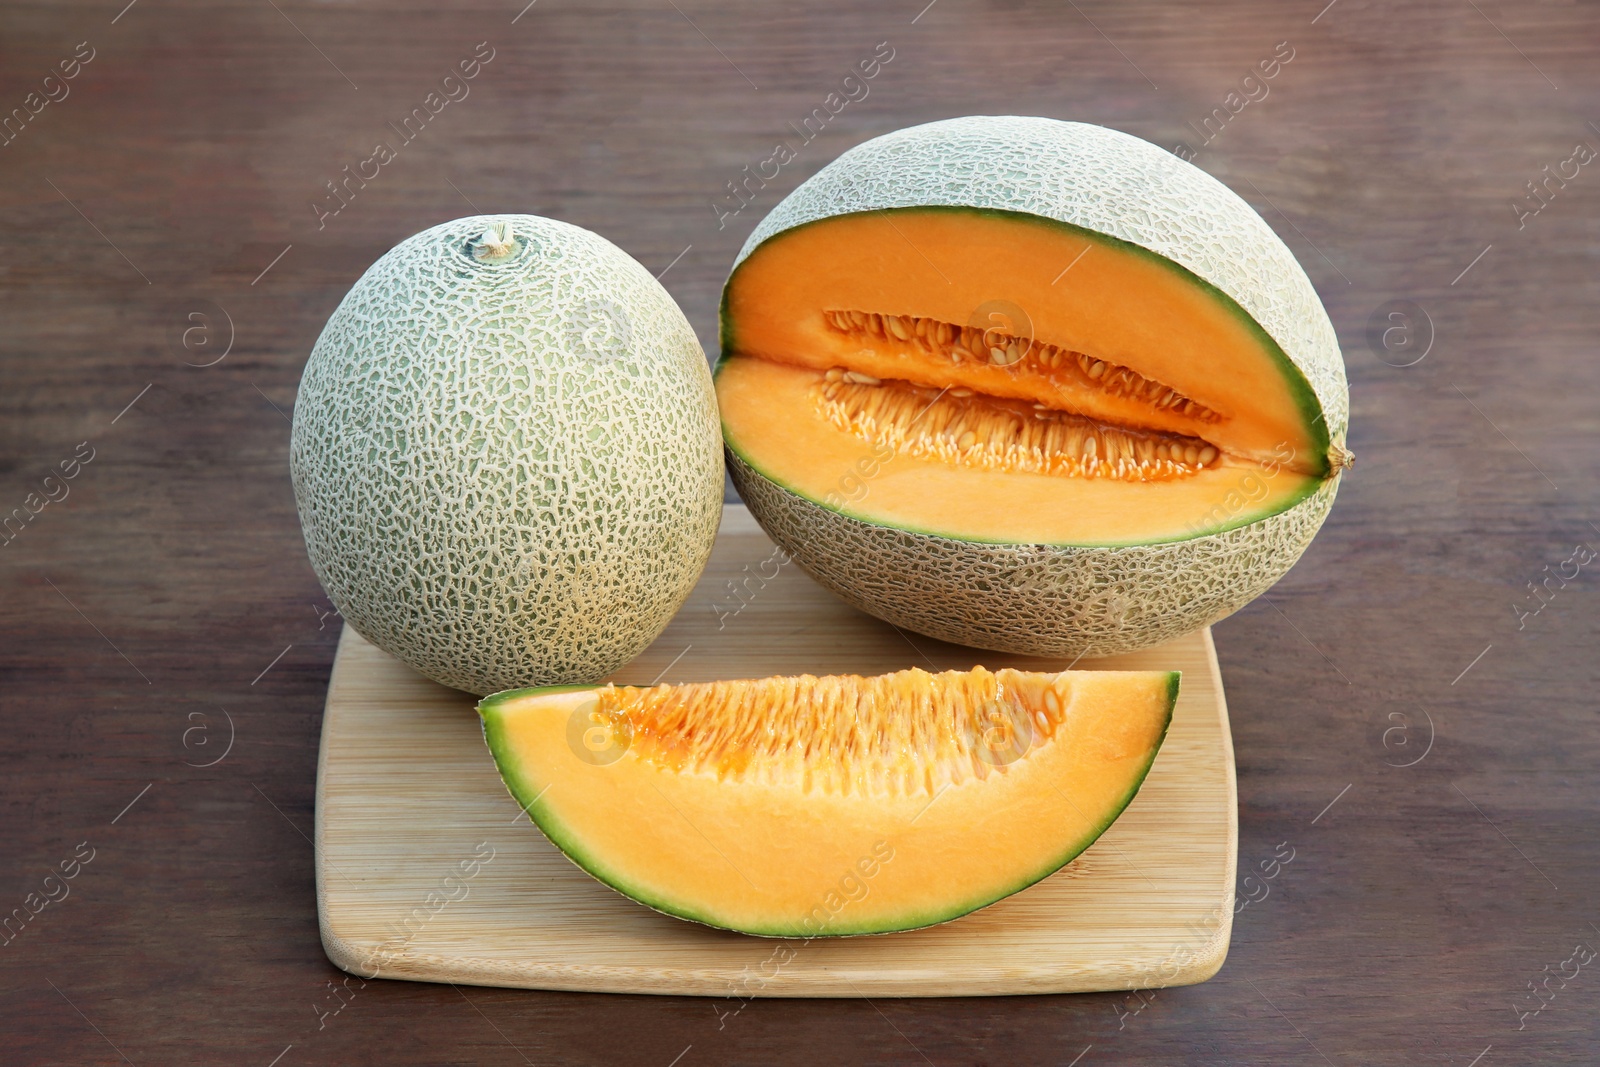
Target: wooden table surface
1404	721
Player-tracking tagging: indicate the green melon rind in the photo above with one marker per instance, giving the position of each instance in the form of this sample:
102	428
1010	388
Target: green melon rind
1305	399
1042	600
1099	180
526	792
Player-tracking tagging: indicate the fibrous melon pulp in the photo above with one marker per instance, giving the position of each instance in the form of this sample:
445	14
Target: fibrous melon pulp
807	807
505	454
1030	385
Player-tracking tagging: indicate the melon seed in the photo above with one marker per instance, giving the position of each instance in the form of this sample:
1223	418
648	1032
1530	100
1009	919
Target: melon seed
1001	350
861	379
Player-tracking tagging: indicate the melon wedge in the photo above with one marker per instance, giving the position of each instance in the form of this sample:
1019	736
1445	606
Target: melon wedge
825	806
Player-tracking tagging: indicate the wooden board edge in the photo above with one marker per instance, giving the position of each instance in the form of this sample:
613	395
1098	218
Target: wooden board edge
368	964
1211	955
335	947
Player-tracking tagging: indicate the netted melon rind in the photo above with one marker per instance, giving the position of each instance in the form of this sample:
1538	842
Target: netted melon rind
1099	179
1045	600
508	474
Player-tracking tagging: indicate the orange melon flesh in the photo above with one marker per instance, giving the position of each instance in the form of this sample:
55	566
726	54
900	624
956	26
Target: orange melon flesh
803	807
763	417
1037	316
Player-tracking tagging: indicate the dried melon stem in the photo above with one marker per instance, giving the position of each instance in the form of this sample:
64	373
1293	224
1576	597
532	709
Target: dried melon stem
1021	355
909	733
496	244
988	433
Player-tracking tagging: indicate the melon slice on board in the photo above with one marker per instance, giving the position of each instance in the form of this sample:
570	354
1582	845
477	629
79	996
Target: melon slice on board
807	806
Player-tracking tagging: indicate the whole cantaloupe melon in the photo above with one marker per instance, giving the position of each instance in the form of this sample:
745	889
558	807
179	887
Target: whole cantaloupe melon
505	455
1030	385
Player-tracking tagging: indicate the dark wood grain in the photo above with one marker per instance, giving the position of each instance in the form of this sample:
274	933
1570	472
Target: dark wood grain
149	602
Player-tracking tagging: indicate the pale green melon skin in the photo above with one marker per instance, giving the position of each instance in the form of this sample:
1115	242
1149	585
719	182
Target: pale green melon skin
1052	600
508	474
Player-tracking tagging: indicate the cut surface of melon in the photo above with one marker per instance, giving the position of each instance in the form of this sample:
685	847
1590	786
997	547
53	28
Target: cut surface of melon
820	806
1119	398
938	481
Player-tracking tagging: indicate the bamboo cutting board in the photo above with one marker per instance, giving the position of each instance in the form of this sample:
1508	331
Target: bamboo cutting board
428	870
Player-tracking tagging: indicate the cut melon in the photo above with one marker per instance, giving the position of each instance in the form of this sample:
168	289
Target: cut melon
1030	385
808	807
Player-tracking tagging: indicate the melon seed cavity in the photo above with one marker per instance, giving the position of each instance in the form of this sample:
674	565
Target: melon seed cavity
968	344
908	733
988	433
